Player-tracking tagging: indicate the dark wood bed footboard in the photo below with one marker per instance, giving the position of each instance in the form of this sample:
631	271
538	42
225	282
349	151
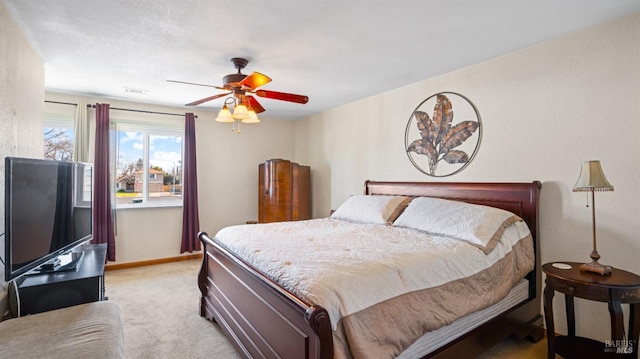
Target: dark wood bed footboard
260	317
264	320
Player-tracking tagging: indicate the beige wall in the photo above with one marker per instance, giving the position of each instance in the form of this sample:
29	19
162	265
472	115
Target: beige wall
21	92
227	176
21	96
544	109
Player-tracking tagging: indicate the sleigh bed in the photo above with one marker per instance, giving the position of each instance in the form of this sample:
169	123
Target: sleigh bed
265	315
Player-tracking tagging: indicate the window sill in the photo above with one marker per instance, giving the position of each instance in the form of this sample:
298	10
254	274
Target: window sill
148	206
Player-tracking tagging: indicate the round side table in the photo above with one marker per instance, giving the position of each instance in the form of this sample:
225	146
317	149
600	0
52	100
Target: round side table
619	287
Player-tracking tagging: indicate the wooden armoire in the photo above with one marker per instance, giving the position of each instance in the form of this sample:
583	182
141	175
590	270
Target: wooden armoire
284	191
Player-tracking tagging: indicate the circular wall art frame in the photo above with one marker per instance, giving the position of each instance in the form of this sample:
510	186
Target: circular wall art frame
437	145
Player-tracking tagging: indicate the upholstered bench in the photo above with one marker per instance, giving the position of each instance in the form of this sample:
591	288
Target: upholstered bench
92	330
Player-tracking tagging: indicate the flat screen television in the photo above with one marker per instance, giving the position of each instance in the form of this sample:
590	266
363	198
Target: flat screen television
48	211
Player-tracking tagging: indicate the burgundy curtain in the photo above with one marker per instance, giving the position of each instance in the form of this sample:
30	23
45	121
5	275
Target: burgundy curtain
102	218
190	219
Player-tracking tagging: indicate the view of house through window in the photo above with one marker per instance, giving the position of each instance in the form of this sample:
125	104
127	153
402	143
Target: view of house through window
148	166
147	160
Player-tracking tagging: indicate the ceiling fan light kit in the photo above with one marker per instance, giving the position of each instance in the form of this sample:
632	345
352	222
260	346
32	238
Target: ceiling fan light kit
240	112
253	118
224	115
240	87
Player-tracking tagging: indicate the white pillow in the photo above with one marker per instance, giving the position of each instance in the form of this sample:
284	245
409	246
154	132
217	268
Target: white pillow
479	225
371	209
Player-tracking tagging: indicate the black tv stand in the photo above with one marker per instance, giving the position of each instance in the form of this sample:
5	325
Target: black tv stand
41	292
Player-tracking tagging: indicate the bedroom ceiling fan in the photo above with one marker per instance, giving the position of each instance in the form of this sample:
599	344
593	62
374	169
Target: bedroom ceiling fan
240	88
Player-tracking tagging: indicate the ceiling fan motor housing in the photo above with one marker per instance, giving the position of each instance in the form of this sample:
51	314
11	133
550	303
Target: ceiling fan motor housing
231	78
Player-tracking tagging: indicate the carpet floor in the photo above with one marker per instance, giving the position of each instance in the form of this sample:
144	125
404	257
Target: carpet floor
160	312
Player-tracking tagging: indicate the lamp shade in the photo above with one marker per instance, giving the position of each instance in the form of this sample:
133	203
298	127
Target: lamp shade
240	112
253	118
592	178
224	115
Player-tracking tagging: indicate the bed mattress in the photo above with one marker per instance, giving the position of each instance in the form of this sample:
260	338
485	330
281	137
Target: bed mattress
433	340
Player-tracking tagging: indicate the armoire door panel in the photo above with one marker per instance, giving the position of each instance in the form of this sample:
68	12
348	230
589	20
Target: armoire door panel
283	189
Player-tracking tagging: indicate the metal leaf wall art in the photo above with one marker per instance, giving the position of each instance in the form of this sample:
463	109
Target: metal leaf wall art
440	140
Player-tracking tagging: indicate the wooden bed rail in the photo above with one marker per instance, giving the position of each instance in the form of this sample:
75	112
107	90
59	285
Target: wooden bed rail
261	315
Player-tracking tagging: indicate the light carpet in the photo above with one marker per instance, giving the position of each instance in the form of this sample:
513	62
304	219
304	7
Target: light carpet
161	313
161	316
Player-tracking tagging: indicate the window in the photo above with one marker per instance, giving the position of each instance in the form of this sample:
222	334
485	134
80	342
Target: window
84	178
148	165
146	156
58	139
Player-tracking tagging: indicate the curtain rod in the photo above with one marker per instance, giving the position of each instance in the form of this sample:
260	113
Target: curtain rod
121	109
62	103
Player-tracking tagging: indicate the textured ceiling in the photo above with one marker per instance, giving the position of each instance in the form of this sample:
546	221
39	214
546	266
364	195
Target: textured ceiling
335	51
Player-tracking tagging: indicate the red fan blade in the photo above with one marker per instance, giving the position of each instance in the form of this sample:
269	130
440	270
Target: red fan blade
255	105
282	96
255	80
193	83
207	99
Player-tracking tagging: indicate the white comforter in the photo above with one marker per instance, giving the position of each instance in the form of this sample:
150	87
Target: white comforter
347	267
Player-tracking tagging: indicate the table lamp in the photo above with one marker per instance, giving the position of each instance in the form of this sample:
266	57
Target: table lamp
592	180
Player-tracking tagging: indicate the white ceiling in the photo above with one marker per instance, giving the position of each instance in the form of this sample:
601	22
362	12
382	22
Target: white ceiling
334	51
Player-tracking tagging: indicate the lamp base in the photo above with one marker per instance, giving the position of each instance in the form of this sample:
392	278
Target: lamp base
596	267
